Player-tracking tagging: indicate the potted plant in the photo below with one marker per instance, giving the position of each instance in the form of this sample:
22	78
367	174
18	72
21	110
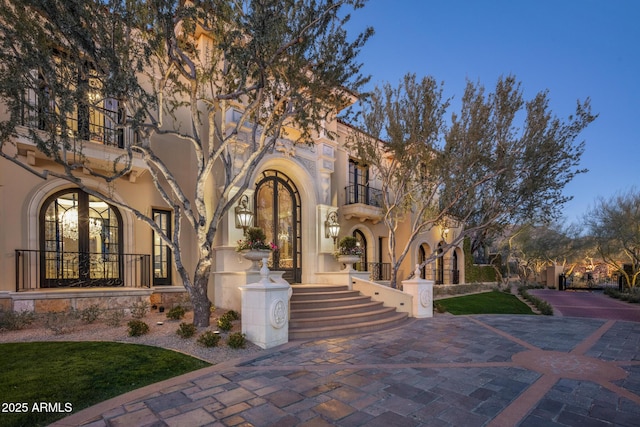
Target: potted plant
254	246
349	252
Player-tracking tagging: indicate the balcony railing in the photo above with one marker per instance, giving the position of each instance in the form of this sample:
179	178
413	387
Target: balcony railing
54	269
358	193
95	124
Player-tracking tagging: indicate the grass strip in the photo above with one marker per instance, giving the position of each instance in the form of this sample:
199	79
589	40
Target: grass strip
59	376
494	302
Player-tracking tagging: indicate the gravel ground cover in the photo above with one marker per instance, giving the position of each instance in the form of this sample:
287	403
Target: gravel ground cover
162	333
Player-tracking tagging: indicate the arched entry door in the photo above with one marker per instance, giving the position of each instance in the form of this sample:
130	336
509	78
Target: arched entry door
278	213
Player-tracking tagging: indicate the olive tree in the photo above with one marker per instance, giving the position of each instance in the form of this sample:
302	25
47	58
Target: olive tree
501	160
614	226
532	247
175	68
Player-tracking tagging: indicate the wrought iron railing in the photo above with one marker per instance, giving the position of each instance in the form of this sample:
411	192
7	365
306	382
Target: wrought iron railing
358	193
379	271
93	124
56	269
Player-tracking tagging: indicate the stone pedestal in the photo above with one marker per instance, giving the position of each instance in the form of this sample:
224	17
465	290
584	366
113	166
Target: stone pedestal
265	311
422	292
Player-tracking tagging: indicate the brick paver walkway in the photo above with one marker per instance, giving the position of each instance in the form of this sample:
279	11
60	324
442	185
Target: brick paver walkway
444	371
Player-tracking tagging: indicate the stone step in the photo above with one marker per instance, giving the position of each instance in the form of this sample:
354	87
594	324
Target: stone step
328	303
351	329
305	313
320	296
322	311
342	319
299	289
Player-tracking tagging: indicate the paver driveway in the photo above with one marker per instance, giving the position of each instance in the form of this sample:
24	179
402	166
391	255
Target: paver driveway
591	304
491	370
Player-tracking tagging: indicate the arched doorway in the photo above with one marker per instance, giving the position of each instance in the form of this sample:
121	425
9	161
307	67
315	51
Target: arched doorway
440	266
80	241
278	213
422	256
455	273
361	241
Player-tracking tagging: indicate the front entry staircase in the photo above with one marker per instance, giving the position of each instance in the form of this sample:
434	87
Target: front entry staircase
322	311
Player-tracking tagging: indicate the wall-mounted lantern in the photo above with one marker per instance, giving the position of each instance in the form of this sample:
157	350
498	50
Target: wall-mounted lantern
331	226
244	216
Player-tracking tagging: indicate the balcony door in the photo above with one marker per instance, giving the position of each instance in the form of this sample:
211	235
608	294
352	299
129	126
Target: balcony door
358	182
277	203
80	241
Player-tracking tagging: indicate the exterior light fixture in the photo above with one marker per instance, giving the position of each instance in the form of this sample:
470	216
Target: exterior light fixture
244	217
331	226
444	230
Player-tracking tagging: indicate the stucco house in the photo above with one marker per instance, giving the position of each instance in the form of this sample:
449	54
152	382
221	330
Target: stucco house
61	247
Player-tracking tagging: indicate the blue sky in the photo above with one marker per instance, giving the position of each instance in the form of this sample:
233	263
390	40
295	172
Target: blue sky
574	48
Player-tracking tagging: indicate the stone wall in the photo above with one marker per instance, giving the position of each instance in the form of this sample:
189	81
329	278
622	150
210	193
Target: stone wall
170	297
62	300
65	300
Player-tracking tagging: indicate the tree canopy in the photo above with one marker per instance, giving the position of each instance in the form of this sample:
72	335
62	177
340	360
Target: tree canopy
614	226
501	160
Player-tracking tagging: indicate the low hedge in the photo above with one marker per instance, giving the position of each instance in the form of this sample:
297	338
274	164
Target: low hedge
542	306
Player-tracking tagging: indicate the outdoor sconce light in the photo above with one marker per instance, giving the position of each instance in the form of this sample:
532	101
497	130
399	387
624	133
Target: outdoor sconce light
331	226
444	230
244	217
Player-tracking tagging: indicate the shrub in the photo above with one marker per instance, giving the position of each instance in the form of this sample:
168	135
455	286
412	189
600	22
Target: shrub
91	313
137	328
209	339
114	318
542	306
225	322
348	245
186	330
62	322
176	313
233	315
15	320
237	340
139	309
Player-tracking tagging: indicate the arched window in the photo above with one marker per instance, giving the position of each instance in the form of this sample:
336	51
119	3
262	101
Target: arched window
80	241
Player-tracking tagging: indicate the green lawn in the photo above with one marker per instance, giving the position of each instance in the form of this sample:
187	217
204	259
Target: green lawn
76	375
495	302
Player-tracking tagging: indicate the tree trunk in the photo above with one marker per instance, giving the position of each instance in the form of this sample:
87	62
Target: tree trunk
200	299
393	279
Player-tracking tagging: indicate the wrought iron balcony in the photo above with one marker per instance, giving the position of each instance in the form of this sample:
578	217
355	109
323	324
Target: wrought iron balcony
362	202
